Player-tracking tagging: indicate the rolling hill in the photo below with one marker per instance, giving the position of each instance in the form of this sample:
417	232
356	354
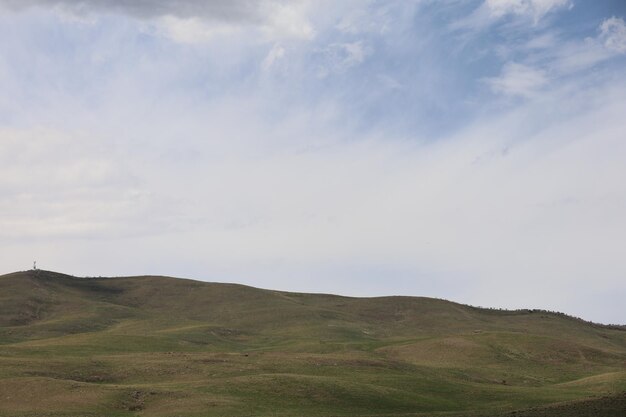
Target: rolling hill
159	346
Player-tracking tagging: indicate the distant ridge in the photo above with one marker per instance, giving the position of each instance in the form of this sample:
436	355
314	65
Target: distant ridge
52	274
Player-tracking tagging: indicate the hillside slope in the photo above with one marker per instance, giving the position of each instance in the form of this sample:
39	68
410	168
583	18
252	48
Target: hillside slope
164	347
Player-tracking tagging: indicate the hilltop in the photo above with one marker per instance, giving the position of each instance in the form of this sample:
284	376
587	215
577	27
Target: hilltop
160	346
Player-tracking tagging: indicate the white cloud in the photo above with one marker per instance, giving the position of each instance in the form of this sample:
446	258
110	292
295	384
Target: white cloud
276	53
613	33
355	53
559	59
192	30
288	20
518	80
492	11
389	82
338	58
563	58
276	21
195	21
363	20
58	184
575	57
534	8
543	41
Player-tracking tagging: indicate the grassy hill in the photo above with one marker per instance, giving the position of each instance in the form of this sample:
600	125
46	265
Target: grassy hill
157	346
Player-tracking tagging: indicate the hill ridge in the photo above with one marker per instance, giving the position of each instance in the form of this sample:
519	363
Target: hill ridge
162	346
53	274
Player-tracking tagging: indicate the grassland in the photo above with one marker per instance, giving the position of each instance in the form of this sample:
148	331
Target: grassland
157	346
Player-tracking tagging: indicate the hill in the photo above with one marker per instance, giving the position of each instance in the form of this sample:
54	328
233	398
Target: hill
159	346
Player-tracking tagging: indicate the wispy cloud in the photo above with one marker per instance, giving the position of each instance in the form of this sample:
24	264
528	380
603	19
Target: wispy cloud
613	33
340	57
547	59
518	79
491	12
62	185
194	21
276	53
534	8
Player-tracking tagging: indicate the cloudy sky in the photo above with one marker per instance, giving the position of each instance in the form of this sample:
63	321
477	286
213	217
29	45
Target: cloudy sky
473	150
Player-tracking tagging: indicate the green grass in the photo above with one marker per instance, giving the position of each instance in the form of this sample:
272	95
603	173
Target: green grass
156	346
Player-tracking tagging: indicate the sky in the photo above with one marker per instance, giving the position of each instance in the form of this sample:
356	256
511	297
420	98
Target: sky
472	150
